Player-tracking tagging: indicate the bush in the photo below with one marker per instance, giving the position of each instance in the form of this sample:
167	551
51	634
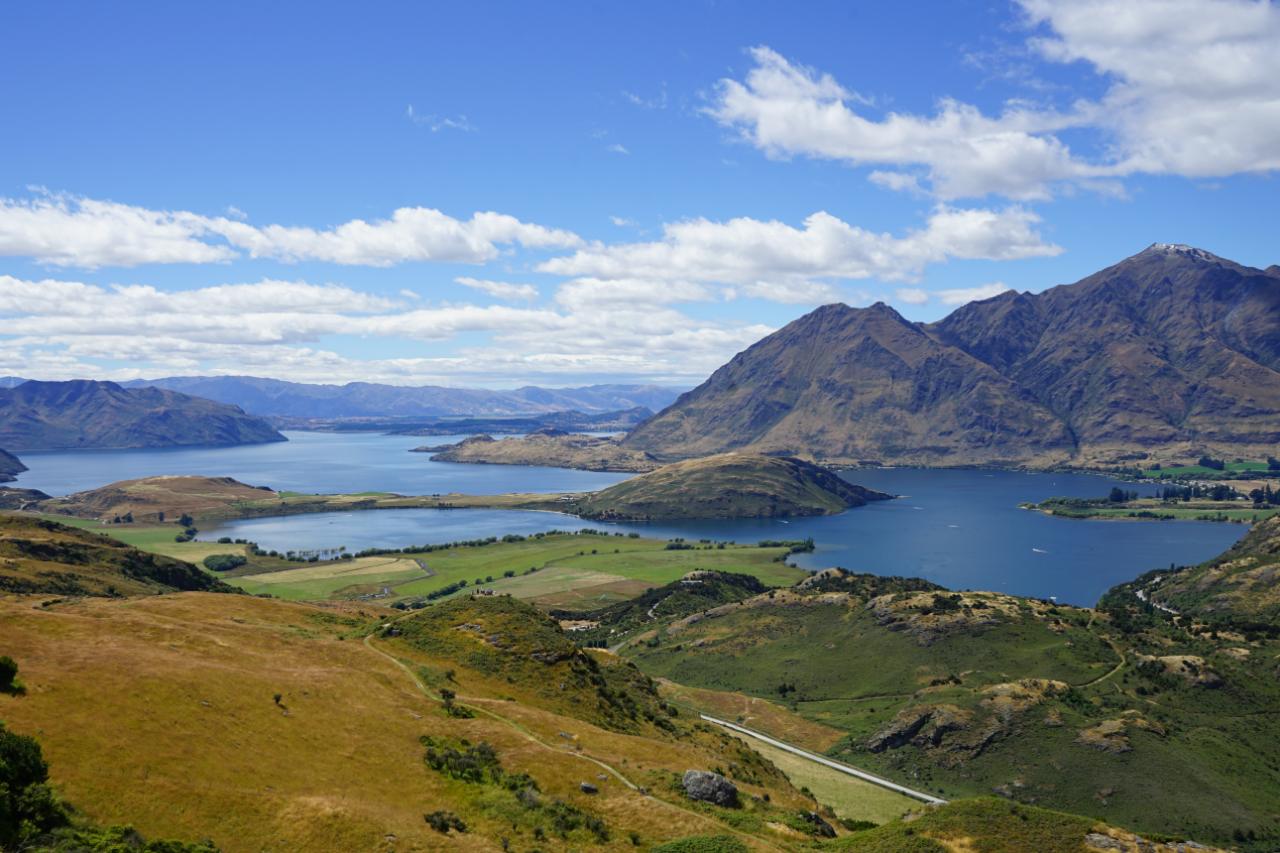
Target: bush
224	562
442	822
8	674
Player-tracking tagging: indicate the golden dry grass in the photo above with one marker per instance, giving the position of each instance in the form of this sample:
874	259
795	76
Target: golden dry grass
159	712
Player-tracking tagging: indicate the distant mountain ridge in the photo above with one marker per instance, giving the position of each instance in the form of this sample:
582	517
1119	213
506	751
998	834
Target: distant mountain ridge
275	397
84	414
1173	349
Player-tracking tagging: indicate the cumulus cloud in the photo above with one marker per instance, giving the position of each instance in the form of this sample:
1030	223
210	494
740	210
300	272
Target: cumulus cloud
773	255
58	329
67	231
911	295
499	289
962	295
1193	89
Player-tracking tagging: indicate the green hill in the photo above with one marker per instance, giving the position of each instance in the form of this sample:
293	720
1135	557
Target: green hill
968	693
38	556
695	592
1240	588
730	485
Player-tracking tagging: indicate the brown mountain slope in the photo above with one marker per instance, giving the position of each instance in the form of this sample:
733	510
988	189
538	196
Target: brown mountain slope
849	384
83	414
1173	351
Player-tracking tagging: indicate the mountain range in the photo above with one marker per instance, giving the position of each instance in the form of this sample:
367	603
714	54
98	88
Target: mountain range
83	414
1173	351
275	397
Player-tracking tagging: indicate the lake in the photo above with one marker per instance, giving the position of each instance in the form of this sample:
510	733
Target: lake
960	528
314	462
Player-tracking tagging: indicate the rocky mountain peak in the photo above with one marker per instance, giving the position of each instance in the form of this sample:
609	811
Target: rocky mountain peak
1181	249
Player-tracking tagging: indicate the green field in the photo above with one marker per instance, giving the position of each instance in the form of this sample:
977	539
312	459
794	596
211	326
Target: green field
849	796
154	538
1230	470
568	567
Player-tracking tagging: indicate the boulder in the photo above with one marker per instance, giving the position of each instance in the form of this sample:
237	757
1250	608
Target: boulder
710	788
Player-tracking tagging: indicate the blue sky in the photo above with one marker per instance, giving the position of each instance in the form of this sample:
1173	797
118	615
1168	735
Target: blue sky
214	188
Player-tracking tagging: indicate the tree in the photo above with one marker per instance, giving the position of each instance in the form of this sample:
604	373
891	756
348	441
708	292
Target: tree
8	674
28	807
186	520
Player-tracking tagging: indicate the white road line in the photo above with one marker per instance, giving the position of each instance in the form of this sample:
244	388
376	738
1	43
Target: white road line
834	765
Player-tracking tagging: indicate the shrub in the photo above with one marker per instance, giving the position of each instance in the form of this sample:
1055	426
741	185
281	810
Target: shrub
442	822
8	674
224	562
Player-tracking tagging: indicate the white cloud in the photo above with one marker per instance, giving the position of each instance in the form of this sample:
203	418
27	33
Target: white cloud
911	295
618	148
622	222
499	289
1197	82
438	123
1192	88
62	231
59	329
962	295
66	231
786	109
764	254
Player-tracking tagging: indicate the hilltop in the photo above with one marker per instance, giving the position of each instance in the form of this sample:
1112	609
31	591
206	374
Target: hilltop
10	467
1167	354
83	414
730	485
159	498
38	556
549	448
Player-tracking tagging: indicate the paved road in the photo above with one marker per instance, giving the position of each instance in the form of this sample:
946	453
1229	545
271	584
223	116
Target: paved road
822	759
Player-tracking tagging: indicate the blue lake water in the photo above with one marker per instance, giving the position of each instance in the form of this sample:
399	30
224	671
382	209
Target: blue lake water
959	528
319	462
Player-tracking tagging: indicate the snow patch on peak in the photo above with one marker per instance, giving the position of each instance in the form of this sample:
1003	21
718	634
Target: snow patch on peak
1182	249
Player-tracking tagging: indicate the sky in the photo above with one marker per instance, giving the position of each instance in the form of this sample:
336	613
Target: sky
499	194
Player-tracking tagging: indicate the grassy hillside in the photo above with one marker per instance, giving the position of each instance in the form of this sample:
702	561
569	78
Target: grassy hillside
475	724
730	485
270	725
40	556
1239	588
695	592
967	693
